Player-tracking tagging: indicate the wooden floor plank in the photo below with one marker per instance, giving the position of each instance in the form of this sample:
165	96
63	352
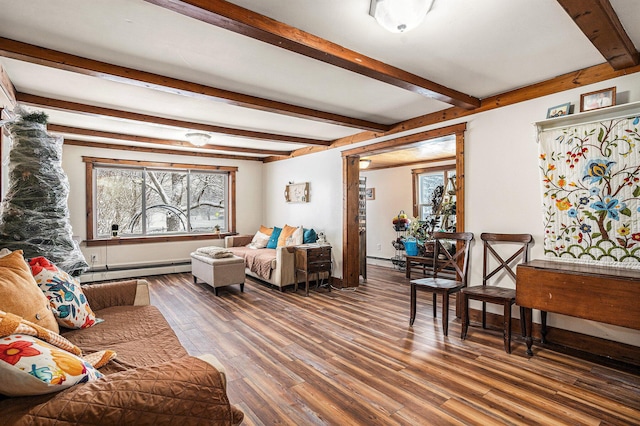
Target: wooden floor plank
351	358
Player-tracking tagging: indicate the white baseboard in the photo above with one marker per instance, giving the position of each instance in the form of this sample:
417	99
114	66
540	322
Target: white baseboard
132	272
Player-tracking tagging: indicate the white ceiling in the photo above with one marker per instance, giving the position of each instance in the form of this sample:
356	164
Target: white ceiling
480	48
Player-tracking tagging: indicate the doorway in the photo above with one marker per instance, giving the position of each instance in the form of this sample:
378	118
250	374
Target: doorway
350	181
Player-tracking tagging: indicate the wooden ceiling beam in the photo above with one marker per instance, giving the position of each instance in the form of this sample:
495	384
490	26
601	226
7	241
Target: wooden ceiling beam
56	128
59	60
104	145
568	81
243	21
57	104
600	23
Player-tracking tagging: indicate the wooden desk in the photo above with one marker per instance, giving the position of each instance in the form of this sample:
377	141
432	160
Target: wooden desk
608	295
310	259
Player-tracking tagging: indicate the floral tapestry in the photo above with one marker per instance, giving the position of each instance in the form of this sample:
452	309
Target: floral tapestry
591	192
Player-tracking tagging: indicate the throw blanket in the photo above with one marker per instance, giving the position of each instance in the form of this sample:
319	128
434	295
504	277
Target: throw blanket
259	261
214	252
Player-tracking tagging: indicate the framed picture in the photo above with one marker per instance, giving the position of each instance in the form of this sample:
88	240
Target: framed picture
370	193
559	110
297	193
598	99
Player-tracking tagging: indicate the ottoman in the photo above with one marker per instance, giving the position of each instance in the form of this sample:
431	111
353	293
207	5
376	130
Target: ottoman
218	272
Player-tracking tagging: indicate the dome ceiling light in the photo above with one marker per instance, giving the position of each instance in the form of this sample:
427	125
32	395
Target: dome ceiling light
399	16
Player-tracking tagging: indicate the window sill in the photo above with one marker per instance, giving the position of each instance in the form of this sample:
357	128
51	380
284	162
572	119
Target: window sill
155	239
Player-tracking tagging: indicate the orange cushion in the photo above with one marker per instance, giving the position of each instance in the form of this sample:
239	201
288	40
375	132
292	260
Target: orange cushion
265	230
286	232
20	295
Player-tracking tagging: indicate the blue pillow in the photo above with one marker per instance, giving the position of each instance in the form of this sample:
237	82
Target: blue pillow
309	236
273	240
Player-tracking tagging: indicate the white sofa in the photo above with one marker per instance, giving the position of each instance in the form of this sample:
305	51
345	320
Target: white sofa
282	260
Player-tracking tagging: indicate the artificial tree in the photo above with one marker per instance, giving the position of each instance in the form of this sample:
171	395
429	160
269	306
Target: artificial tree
35	215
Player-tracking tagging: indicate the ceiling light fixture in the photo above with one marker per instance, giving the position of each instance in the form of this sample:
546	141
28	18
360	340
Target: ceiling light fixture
399	16
198	139
365	163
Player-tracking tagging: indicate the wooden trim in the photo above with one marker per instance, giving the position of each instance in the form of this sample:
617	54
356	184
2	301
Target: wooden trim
350	234
433	169
157	164
65	61
7	87
57	104
91	162
393	144
251	24
153	239
568	81
600	23
350	183
56	128
232	198
157	150
460	186
88	187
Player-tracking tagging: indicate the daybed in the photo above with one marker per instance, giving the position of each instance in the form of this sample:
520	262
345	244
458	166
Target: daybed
152	379
274	266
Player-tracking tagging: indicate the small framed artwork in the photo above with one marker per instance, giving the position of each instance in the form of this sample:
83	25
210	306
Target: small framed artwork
297	193
598	99
370	193
559	110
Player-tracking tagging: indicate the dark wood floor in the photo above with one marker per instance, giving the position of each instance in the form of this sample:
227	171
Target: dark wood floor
350	358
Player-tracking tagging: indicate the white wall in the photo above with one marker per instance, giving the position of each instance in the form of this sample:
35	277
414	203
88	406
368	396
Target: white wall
323	212
502	184
248	208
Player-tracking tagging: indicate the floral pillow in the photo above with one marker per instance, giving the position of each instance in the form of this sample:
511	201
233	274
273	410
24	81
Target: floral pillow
260	240
64	293
30	366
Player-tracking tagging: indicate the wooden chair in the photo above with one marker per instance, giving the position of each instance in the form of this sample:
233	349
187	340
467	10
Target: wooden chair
493	294
449	274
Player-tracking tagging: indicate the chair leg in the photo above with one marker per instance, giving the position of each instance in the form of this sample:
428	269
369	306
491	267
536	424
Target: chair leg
465	316
523	322
412	315
507	327
484	315
435	304
445	313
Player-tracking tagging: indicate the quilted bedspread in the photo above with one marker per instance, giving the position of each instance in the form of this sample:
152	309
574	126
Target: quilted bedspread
152	380
185	391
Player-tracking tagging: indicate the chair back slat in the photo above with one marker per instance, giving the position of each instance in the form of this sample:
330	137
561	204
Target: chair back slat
458	261
489	239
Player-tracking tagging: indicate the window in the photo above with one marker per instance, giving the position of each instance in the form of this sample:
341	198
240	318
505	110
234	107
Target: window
433	186
157	199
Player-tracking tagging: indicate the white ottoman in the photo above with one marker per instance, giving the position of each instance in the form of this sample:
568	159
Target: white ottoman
218	272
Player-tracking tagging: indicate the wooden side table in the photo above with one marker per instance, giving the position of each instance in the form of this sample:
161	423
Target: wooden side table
312	259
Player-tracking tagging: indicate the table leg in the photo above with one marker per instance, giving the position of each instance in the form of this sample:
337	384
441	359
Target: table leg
408	269
529	328
412	314
543	329
445	313
306	287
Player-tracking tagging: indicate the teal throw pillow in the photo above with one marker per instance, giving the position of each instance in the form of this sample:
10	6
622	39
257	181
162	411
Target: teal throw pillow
309	236
273	240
